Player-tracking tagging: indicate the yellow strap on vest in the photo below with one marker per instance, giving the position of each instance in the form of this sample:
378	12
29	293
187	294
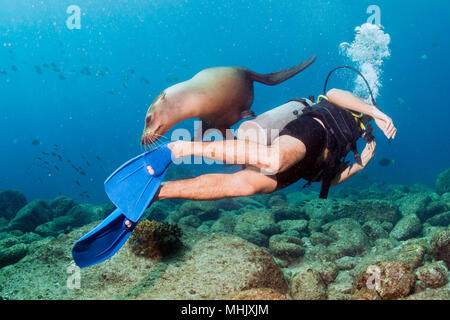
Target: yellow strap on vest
320	97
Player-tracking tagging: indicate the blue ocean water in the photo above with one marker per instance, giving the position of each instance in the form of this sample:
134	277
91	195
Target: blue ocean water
83	93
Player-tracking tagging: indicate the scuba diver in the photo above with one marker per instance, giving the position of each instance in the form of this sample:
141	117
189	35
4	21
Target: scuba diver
311	147
296	140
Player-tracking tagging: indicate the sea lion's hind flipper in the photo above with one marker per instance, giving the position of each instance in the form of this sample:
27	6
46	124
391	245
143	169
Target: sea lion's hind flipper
275	78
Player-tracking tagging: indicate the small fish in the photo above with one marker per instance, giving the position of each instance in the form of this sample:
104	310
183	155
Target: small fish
386	162
124	85
56	167
36	142
98	158
55	146
78	183
39	158
59	158
61	77
82	172
100	73
131	70
172	79
144	80
45	153
86	71
88	163
46	162
45	65
363	176
424	57
2	71
14	68
38	69
400	100
111	92
435	44
53	154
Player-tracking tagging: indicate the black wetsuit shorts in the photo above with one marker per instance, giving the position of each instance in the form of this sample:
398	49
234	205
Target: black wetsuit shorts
313	135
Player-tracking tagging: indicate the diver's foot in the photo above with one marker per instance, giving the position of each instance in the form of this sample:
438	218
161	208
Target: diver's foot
128	223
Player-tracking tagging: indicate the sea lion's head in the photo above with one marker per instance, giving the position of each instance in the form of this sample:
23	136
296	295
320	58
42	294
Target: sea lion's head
157	120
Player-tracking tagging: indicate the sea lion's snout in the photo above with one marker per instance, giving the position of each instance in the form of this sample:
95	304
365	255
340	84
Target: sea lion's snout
153	129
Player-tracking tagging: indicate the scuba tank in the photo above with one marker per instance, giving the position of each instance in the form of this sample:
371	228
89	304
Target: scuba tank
266	127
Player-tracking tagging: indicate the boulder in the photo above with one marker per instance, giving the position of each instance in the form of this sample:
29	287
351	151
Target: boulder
61	205
376	210
299	226
320	238
432	275
307	285
29	217
225	223
374	230
85	213
287	212
389	279
11	201
342	287
408	227
350	239
204	210
442	293
277	199
192	221
442	219
256	226
11	251
218	267
414	203
347	263
286	248
440	245
443	182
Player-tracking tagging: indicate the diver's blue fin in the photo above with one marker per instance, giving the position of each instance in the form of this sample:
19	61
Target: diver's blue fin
103	241
131	187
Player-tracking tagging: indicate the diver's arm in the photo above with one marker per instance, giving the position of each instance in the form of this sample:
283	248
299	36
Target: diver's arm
351	170
283	153
347	100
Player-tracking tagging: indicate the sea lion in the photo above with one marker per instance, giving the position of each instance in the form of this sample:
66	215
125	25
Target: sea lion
219	96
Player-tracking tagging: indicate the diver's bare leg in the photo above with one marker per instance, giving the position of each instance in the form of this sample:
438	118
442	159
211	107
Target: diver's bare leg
217	186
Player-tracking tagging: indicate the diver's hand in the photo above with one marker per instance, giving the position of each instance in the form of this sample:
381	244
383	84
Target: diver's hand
384	123
368	153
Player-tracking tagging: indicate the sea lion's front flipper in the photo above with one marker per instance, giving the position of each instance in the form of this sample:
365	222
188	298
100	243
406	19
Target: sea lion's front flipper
247	114
275	78
204	126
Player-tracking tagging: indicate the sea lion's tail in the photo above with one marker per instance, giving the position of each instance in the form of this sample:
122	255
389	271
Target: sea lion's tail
275	78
